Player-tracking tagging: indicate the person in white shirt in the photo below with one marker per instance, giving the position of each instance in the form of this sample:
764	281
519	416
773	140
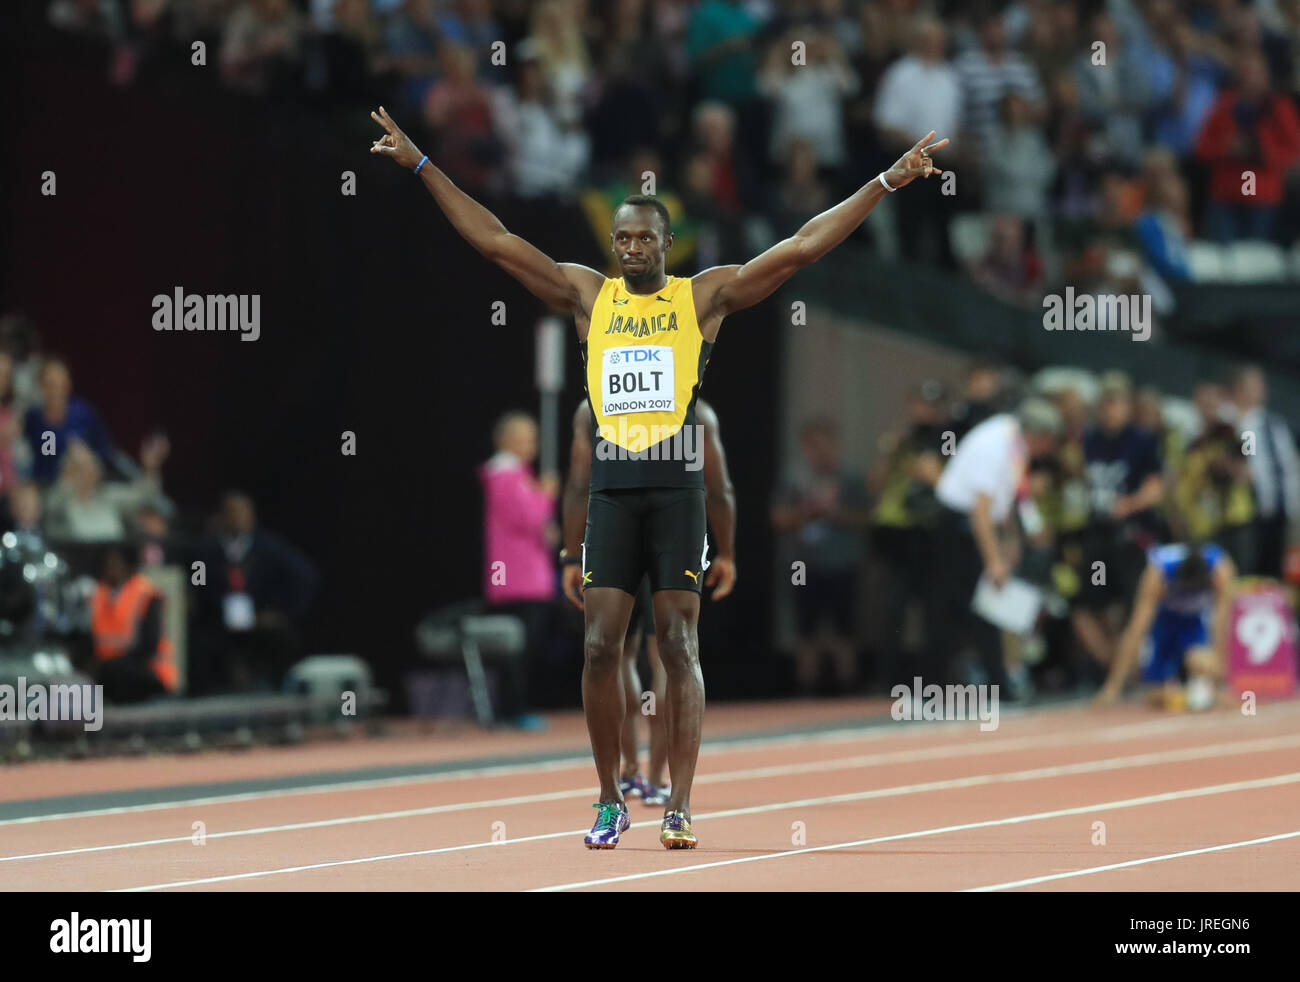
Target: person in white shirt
1274	468
922	85
978	490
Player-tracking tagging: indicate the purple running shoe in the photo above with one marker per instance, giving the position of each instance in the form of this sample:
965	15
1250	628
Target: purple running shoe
611	821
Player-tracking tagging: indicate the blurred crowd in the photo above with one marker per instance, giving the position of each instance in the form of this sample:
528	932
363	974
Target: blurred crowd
1129	469
93	551
1093	140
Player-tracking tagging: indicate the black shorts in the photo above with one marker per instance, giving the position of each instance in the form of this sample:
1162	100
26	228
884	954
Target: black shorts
638	532
643	612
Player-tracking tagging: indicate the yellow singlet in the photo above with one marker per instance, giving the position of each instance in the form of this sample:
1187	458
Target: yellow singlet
644	358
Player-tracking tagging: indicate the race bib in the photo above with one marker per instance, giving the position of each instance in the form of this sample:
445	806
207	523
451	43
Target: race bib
639	379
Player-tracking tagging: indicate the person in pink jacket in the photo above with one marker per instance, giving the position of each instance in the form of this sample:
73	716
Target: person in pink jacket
519	542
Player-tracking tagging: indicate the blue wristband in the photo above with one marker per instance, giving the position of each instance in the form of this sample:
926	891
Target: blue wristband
423	160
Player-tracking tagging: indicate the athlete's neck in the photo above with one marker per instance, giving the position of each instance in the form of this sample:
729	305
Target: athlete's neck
645	289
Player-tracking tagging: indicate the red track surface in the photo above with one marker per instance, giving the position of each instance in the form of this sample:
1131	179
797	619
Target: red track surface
907	806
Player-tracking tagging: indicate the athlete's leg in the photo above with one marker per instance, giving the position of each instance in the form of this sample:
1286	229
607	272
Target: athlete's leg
632	691
611	572
606	611
677	550
677	614
659	718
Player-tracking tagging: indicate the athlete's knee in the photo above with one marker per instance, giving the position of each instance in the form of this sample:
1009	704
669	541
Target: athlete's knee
678	643
602	650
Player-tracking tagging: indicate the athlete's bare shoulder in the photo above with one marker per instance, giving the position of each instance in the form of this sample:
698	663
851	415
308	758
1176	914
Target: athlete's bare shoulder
705	288
586	281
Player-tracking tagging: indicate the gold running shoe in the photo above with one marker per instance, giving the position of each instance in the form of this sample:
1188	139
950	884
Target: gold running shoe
676	832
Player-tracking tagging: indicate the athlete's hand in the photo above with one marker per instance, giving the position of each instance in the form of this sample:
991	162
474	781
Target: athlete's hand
1107	695
913	164
721	576
571	582
394	143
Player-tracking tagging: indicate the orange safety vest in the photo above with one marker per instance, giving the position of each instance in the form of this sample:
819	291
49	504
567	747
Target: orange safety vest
115	619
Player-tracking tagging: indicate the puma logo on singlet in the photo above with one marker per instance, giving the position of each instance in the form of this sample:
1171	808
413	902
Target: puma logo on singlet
693	576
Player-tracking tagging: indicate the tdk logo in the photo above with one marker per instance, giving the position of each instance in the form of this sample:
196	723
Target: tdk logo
634	355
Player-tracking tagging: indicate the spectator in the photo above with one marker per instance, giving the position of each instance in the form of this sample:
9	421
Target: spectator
347	55
1017	177
18	336
410	46
808	99
1164	227
60	419
1052	37
132	653
800	194
1274	468
25	511
1250	140
732	182
1213	498
557	33
986	74
519	543
10	425
1185	63
721	46
83	508
981	397
458	110
258	588
470	23
719	234
902	535
629	107
920	91
824	504
544	155
261	47
1116	94
153	533
1125	487
1011	269
25	603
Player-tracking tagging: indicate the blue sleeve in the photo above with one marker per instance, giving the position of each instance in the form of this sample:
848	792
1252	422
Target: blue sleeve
1155	246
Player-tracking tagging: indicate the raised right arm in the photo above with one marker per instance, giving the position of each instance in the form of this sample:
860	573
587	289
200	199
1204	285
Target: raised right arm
566	286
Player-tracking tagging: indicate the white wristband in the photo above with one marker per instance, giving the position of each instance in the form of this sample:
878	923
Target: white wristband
885	183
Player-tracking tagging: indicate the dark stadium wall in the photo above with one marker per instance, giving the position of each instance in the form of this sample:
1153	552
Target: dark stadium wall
375	319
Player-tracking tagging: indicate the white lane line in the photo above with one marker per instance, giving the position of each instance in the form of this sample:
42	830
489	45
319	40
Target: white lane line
845	763
944	785
1107	734
1266	782
1132	862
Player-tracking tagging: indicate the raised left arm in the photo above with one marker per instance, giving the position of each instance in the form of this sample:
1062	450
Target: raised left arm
723	289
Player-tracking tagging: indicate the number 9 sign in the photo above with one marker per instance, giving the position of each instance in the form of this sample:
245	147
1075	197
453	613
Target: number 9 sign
1260	630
